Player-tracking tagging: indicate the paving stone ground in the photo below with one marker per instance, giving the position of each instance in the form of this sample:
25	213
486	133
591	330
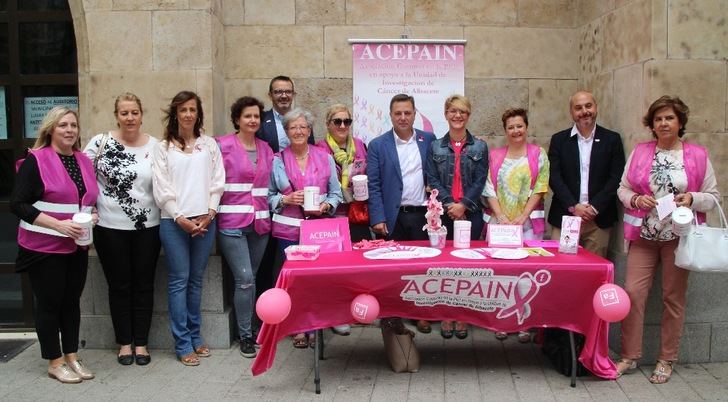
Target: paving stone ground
478	368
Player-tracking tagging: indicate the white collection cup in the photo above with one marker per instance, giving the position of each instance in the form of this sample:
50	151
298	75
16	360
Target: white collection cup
84	220
311	198
461	234
359	184
682	218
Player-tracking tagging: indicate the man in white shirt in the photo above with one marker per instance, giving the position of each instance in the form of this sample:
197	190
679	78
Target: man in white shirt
587	161
396	171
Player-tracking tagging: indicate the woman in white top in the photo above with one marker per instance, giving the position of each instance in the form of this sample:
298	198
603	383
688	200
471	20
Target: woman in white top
127	235
189	179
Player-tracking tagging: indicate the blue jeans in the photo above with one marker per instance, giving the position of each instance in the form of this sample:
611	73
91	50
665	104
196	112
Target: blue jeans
243	250
186	258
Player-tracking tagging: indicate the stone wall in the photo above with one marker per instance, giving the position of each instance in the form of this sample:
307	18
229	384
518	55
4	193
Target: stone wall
526	53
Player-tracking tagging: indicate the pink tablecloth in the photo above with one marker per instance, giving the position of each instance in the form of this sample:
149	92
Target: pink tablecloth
504	295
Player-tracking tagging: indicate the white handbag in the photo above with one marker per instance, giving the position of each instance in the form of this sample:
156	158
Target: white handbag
704	249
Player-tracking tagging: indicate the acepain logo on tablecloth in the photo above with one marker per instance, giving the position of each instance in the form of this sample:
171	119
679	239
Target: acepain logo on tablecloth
477	289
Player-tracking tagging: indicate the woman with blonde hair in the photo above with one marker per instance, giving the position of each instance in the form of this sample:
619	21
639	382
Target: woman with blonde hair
127	236
53	182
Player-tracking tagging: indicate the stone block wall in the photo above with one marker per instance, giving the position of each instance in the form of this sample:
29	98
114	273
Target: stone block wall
525	53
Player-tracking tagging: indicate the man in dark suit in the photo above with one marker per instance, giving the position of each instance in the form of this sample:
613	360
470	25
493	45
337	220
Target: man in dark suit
587	161
396	170
282	95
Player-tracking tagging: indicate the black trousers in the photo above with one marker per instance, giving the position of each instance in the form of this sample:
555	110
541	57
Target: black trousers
409	226
129	259
57	282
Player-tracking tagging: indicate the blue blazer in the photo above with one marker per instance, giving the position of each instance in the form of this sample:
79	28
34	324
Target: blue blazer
385	176
268	133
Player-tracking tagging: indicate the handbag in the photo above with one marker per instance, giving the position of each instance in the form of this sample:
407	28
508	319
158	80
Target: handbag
704	249
359	212
399	346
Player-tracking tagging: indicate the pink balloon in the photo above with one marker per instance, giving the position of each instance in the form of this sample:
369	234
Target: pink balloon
611	303
273	306
365	308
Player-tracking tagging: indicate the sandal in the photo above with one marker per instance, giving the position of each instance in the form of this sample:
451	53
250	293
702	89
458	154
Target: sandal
446	330
524	336
662	372
190	360
300	341
461	330
501	336
625	366
202	351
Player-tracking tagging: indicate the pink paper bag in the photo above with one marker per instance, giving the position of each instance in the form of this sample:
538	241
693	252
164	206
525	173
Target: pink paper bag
332	234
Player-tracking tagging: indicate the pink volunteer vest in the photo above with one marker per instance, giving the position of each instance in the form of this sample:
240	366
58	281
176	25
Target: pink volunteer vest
287	224
695	159
245	199
497	156
60	200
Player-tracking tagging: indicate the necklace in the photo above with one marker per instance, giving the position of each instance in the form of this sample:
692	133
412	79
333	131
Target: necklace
302	157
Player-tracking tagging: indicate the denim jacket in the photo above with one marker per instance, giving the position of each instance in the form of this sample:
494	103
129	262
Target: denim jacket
473	169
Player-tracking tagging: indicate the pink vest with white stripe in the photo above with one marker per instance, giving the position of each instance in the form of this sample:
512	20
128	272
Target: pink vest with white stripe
497	156
695	159
287	223
60	200
245	199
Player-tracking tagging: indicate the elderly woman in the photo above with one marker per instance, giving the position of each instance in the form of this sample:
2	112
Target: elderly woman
297	166
188	182
457	166
243	218
655	169
127	236
350	155
517	184
52	182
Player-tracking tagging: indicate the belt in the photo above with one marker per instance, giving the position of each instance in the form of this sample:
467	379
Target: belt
412	208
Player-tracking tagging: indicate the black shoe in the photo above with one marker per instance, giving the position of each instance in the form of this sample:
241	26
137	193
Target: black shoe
247	348
125	360
142	360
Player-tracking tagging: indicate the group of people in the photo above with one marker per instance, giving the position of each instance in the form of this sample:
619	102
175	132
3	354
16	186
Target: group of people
246	188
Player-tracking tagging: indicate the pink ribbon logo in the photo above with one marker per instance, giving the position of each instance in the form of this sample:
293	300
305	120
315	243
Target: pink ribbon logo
526	289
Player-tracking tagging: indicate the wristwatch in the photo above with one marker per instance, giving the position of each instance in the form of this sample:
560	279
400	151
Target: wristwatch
572	209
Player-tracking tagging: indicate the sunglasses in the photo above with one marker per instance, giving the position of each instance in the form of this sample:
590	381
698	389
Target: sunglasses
338	122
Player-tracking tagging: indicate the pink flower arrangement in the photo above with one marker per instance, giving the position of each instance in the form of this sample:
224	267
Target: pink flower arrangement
434	211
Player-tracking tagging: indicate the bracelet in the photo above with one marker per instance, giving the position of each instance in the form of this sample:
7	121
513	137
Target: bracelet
212	217
633	201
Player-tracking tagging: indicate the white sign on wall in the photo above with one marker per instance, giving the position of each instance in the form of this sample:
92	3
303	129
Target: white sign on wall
36	108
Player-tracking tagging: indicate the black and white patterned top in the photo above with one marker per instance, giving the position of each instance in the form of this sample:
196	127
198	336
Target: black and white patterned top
124	175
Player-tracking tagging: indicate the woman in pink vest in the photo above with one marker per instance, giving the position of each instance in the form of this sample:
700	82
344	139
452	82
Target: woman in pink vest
516	185
243	216
350	155
55	181
297	166
667	167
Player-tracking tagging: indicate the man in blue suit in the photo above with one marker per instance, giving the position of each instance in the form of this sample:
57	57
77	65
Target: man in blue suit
281	94
396	163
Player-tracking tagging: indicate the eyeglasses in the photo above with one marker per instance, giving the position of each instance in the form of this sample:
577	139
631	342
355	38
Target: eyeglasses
339	122
297	128
281	92
454	112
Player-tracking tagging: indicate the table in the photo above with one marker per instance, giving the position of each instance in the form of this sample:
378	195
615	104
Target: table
500	295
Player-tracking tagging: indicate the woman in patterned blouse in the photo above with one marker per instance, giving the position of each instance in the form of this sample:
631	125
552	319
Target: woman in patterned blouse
127	236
